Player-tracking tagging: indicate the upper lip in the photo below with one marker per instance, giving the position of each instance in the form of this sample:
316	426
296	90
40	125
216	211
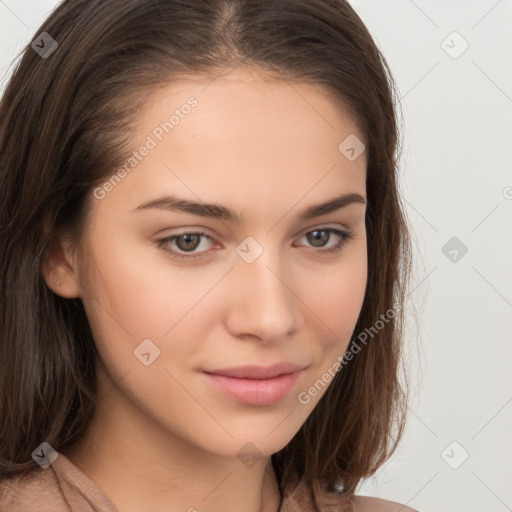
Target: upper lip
258	372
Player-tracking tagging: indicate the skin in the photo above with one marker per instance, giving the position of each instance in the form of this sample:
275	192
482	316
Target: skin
162	438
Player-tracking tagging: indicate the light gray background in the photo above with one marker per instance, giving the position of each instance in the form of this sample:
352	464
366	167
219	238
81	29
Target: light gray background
456	182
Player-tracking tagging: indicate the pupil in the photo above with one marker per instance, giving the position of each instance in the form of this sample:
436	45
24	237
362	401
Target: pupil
323	237
189	238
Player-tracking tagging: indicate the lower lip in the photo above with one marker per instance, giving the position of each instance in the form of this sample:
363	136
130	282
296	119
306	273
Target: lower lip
253	391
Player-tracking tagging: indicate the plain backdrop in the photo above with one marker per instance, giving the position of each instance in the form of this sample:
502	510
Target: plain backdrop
452	61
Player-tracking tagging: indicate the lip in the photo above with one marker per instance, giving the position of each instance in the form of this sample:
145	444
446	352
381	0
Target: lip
258	372
258	390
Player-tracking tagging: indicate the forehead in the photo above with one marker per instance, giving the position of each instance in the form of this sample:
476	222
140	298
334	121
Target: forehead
246	99
245	137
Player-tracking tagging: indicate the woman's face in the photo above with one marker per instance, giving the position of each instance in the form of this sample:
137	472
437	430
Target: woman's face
258	288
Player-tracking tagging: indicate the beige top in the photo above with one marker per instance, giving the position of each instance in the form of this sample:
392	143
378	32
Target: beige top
62	487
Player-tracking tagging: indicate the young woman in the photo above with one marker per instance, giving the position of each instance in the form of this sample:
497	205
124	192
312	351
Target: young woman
204	260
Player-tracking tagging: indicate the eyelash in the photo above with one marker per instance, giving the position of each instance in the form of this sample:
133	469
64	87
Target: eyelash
344	237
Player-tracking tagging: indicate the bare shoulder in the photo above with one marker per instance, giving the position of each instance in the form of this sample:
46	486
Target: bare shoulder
371	504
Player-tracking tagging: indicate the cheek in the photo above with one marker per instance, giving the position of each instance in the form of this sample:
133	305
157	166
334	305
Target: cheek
338	306
133	286
335	308
136	295
338	295
132	302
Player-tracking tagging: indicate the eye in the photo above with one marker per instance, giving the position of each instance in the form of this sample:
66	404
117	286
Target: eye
321	235
190	241
185	242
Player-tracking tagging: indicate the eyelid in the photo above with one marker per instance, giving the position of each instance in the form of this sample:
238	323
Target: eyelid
206	231
326	225
343	235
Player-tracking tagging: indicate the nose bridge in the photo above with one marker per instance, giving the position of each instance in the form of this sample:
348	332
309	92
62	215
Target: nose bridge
265	305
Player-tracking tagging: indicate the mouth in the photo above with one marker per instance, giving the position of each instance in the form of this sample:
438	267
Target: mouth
255	391
258	372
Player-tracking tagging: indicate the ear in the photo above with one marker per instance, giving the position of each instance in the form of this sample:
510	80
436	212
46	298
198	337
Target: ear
60	270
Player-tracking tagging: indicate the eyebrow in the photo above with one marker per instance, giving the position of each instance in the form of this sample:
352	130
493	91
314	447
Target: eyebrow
217	211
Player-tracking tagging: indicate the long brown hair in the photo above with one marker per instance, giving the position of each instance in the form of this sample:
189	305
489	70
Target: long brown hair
65	122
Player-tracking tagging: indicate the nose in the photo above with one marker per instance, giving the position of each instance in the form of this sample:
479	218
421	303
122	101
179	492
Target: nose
264	304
